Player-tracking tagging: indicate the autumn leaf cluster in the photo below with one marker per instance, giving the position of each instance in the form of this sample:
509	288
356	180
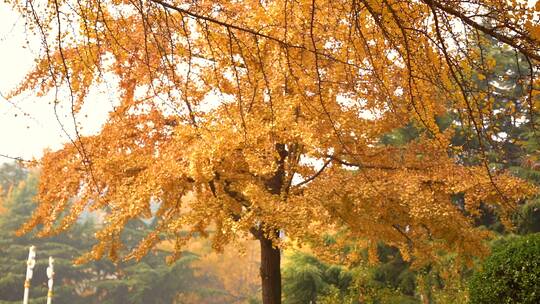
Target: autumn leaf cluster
251	117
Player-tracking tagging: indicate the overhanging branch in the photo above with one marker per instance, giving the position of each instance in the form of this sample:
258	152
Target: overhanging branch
250	31
491	32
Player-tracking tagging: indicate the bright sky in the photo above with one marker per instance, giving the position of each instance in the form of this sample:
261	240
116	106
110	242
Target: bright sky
28	125
19	136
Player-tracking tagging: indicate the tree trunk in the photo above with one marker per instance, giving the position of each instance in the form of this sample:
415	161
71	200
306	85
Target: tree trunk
270	272
270	256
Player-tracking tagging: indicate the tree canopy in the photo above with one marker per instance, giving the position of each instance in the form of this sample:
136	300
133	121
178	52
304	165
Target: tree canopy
272	114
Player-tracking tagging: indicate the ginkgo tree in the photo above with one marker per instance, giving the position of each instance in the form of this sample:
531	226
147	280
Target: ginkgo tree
271	114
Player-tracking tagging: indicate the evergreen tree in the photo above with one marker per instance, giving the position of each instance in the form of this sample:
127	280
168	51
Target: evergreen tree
150	281
10	174
310	280
69	279
528	218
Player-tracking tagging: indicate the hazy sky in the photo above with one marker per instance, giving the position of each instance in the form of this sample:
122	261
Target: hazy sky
28	124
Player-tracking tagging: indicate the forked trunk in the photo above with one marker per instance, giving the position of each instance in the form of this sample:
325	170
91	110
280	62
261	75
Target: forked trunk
270	272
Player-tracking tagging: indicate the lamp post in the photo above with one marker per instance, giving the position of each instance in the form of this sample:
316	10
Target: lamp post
30	263
50	274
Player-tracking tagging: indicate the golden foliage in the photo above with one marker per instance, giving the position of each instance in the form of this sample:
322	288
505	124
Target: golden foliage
271	114
237	269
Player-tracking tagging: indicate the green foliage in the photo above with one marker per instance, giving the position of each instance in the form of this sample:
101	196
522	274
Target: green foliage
14	250
309	280
306	278
444	282
10	175
393	271
148	281
528	217
511	274
401	136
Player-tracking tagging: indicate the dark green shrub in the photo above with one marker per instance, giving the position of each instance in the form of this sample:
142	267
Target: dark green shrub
511	274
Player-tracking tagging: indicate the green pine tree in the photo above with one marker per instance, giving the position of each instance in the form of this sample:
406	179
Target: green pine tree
18	205
99	282
150	280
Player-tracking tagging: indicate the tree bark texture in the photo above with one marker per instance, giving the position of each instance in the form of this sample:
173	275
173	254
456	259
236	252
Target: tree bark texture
270	272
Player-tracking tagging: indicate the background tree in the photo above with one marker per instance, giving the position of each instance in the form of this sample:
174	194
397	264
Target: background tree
241	103
149	281
528	219
10	175
236	268
510	274
18	204
310	280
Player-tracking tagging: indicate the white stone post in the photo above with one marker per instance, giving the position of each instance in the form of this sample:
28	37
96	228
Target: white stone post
30	263
50	275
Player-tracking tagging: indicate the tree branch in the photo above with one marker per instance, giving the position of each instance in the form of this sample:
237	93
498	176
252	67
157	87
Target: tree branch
315	175
483	29
250	31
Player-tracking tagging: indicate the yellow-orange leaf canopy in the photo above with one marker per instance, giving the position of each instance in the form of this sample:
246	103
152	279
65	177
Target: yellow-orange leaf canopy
270	115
